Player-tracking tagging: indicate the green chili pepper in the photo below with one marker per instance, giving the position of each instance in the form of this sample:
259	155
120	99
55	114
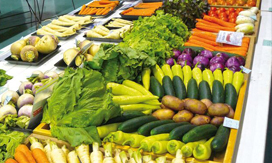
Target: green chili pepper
177	70
187	74
117	137
146	78
203	151
197	74
167	71
147	142
119	89
134	140
159	147
158	73
238	79
208	77
126	100
228	76
218	75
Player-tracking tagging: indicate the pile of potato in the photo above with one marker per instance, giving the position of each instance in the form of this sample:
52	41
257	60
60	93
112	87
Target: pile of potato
194	111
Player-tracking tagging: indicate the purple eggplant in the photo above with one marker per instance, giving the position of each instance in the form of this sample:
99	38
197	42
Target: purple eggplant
189	51
183	63
201	60
215	66
177	53
233	61
224	55
206	53
234	68
217	60
185	57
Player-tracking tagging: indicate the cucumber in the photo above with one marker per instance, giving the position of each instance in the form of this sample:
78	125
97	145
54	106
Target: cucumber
132	125
204	90
126	116
200	132
166	128
156	88
168	86
180	131
179	87
192	90
221	138
231	96
218	93
146	128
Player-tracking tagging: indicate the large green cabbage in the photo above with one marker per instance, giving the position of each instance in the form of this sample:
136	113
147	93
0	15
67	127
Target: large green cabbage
80	101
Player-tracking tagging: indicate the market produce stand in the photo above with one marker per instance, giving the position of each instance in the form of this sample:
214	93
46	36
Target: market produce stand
246	144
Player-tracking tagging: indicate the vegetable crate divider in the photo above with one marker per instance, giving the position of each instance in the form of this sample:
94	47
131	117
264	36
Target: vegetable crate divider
43	131
258	5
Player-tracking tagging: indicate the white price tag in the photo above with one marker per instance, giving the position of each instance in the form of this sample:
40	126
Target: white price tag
8	98
231	123
245	70
231	38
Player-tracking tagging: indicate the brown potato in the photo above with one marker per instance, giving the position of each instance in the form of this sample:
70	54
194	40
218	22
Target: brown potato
163	114
183	116
218	109
195	106
217	121
231	112
207	102
173	103
200	120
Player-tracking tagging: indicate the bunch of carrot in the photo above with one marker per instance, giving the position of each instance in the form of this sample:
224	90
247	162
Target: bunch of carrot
155	5
212	24
139	12
98	7
24	155
207	40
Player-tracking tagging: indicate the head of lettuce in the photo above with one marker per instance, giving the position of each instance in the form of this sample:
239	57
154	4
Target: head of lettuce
79	103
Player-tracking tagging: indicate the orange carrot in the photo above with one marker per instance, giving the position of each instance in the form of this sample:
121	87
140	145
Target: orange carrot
106	12
93	11
205	28
217	27
196	30
213	43
206	35
86	11
82	9
99	11
24	149
207	22
10	160
218	21
202	44
20	157
126	11
39	156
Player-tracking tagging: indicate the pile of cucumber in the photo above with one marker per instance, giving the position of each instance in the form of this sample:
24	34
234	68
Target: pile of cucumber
184	131
176	87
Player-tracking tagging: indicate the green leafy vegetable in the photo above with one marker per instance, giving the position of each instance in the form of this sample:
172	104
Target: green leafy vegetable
9	142
4	77
119	63
157	36
79	101
187	10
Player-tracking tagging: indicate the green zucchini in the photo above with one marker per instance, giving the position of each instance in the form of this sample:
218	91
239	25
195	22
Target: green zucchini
126	116
192	89
178	132
218	93
168	86
221	139
132	125
200	132
179	87
204	90
156	88
146	128
231	96
166	128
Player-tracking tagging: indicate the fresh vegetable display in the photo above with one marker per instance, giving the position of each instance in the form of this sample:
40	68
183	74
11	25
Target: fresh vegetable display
29	49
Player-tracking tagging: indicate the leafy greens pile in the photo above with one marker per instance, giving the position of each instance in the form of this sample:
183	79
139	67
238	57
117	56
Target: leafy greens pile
4	77
119	63
79	103
9	140
157	36
187	10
